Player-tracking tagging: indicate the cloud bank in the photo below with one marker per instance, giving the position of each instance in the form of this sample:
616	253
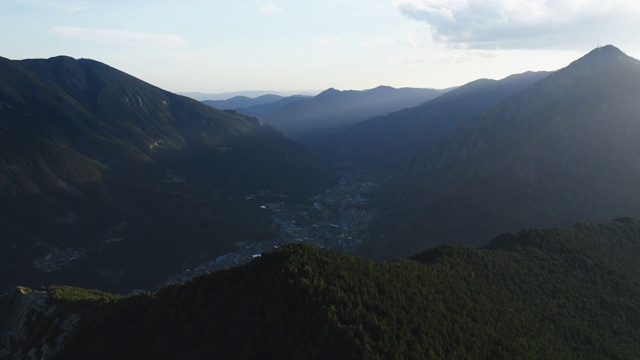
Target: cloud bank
523	24
120	37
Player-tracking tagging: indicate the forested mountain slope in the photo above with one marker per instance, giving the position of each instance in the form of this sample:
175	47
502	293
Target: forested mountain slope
562	293
110	182
561	151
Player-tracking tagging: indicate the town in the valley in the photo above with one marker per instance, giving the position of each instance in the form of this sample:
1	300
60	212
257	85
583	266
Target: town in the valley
333	219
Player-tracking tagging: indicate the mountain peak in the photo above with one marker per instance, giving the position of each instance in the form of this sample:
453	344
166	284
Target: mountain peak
382	88
330	92
607	50
600	60
602	55
62	58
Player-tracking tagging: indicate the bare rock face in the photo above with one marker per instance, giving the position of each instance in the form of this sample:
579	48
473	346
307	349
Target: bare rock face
32	326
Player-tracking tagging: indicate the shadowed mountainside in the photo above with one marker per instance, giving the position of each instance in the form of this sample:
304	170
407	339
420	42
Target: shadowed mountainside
385	144
109	181
563	150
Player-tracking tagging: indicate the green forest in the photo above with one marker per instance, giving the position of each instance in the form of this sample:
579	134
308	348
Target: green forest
561	293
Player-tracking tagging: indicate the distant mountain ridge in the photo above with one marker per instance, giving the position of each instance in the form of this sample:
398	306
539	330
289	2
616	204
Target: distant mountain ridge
563	150
202	96
385	144
238	102
261	107
110	181
264	111
334	110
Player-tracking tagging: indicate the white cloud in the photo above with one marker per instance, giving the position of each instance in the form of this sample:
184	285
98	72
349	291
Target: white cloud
523	23
271	9
120	37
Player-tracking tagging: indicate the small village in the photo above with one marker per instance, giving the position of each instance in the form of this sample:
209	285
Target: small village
333	219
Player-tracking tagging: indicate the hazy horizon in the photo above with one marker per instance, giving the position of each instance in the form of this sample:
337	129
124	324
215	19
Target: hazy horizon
289	46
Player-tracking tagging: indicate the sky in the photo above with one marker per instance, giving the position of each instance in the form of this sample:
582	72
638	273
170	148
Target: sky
220	46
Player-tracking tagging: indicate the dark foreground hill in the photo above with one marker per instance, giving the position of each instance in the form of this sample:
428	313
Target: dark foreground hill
565	293
563	150
110	182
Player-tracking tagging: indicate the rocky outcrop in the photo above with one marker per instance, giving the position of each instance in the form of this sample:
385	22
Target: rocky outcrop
33	327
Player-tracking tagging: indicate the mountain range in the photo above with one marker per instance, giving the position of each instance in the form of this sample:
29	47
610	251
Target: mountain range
202	96
331	111
238	102
490	200
261	107
560	151
385	144
111	182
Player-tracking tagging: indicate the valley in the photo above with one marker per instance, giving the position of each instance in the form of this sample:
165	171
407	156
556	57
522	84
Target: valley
397	179
334	219
235	237
110	182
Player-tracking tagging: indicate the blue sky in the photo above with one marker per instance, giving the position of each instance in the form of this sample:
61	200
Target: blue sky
296	45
